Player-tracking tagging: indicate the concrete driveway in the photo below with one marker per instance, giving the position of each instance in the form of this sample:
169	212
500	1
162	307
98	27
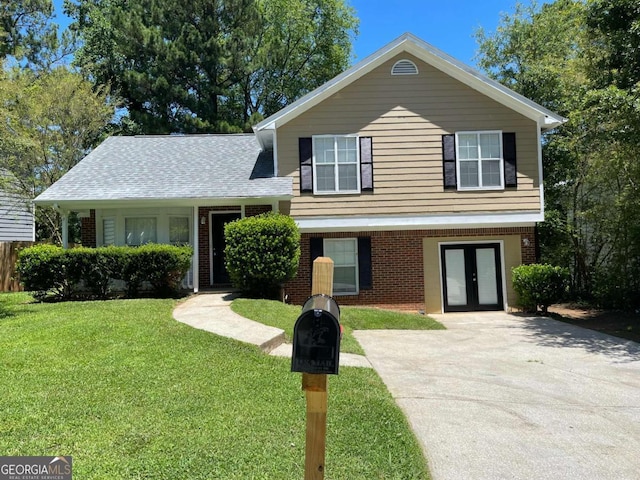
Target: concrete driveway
499	396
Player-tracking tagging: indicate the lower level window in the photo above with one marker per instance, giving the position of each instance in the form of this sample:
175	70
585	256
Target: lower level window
179	230
344	253
139	231
109	231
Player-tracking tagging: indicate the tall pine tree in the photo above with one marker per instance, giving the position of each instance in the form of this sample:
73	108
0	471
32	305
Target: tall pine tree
210	65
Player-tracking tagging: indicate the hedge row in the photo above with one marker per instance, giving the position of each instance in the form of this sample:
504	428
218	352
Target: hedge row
50	270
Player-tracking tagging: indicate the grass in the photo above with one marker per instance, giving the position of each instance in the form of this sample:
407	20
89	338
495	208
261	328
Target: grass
131	393
280	315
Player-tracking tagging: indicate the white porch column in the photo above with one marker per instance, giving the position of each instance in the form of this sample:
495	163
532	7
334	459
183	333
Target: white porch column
196	248
65	229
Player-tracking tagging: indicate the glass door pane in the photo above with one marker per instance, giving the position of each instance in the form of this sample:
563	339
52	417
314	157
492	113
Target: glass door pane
487	277
456	282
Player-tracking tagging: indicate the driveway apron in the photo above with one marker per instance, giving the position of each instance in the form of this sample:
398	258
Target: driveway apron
498	396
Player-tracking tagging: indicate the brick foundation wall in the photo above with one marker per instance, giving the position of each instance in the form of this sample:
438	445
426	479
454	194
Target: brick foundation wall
88	230
397	265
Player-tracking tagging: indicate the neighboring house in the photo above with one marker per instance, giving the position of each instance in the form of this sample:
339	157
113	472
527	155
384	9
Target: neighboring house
418	176
16	217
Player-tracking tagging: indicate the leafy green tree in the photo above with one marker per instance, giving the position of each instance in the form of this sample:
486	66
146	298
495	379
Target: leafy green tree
28	34
210	65
566	56
614	27
50	122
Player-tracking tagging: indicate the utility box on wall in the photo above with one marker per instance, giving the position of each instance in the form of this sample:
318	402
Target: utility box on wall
316	337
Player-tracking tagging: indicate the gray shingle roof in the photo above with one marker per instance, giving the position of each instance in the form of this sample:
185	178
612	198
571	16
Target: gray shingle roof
171	167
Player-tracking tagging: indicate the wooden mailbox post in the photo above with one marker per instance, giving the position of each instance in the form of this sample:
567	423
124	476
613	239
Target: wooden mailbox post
316	348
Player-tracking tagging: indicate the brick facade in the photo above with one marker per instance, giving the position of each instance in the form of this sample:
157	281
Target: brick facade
88	235
397	264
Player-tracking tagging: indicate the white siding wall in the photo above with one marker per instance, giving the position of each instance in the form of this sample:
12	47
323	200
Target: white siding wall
16	220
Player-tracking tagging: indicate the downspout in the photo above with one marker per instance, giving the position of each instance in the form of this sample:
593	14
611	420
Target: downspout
196	241
65	229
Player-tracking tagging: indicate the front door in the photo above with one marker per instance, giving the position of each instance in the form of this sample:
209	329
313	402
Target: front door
219	273
471	277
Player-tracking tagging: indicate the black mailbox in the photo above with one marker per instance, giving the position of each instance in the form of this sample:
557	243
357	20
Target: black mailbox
316	337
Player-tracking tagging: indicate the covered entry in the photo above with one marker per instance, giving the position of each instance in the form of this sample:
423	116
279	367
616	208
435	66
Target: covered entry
219	274
471	277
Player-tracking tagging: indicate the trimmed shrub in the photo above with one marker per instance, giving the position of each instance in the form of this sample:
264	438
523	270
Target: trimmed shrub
539	285
164	266
47	269
41	270
102	265
262	253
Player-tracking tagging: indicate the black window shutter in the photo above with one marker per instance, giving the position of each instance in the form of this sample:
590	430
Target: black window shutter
316	249
364	263
306	165
509	153
366	164
449	160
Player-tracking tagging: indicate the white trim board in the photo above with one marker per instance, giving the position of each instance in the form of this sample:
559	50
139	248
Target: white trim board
427	222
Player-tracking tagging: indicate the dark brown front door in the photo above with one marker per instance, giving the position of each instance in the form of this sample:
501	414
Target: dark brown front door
219	271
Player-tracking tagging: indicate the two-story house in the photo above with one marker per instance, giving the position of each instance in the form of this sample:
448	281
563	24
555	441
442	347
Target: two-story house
420	177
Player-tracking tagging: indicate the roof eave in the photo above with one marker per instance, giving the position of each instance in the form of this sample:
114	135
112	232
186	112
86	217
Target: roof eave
92	203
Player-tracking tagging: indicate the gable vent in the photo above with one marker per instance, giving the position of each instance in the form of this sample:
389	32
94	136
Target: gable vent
404	67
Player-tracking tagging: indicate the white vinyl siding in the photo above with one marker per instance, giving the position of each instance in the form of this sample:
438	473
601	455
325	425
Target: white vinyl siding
16	219
139	231
344	253
335	164
480	163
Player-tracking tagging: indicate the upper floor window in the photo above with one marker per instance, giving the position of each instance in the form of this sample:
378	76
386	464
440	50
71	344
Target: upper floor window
480	160
335	164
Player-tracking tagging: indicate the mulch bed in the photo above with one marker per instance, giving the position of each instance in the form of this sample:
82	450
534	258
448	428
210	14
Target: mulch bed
619	324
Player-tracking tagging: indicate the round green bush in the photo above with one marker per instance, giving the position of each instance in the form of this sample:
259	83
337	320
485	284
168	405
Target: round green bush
262	253
539	285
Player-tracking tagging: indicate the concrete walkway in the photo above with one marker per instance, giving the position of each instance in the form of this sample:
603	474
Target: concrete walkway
499	396
212	312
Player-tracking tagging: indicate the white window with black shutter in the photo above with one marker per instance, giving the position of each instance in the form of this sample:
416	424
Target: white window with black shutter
352	262
336	164
479	160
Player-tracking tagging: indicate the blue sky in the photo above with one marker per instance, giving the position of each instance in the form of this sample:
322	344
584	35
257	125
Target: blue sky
446	24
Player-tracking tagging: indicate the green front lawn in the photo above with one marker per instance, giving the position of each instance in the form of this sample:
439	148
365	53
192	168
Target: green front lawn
131	393
278	314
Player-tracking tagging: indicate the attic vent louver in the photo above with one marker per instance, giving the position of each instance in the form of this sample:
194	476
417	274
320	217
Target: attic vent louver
404	67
